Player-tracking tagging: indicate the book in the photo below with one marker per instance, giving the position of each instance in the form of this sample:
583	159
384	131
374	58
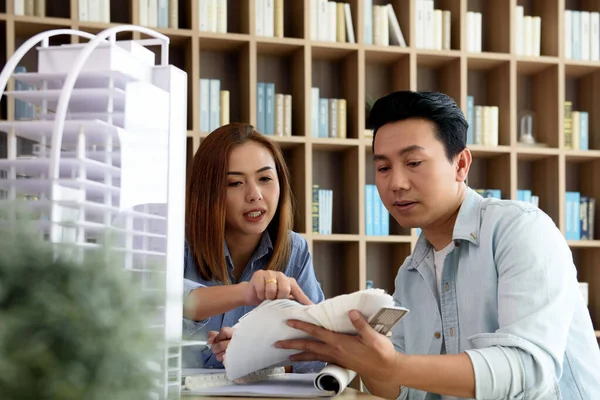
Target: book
270	382
252	346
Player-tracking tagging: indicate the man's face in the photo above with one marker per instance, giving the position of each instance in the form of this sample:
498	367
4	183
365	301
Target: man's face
415	179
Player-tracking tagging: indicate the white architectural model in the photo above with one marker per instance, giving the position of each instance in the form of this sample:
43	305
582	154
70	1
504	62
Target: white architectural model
106	156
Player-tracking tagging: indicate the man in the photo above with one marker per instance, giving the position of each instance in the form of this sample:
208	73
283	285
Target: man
495	308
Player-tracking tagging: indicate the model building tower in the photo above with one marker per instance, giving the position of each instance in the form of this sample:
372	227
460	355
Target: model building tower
99	159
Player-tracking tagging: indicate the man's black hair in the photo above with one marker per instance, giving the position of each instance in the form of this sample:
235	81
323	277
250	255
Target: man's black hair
437	107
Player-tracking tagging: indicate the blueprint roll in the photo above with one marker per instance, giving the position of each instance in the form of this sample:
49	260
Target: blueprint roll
334	378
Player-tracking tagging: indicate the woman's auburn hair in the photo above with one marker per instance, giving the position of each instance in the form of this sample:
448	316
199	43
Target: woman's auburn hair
206	206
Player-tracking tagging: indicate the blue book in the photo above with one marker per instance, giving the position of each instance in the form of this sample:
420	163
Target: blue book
368	21
260	107
204	105
269	108
470	110
314	112
575	34
584	128
524	195
369	209
376	211
163	13
572	215
323	118
584	202
385	219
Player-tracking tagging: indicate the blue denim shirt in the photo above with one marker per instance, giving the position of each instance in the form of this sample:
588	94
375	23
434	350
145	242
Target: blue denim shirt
509	299
299	267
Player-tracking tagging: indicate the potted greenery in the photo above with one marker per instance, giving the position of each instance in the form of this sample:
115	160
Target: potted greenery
70	330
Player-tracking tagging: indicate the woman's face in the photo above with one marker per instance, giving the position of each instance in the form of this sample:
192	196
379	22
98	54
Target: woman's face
252	189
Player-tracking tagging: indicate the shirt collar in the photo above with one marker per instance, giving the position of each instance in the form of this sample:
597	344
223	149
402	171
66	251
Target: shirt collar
264	247
466	227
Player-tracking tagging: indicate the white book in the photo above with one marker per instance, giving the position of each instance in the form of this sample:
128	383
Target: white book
279	114
153	13
314	19
203	15
584	26
105	11
252	347
470	31
419	24
323	21
519	13
376	24
429	39
595	36
493	115
269	18
212	15
568	34
332	18
478	32
19	7
527	35
437	29
82	11
384	26
446	30
349	25
287	121
536	35
94	10
221	16
395	32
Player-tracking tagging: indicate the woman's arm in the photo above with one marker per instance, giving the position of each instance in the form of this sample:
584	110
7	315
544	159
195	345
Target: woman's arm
208	301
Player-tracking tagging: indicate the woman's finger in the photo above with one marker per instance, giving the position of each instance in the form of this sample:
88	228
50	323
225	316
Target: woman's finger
271	286
284	287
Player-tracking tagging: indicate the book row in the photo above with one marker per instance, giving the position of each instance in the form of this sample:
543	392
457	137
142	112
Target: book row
328	116
273	110
483	123
579	216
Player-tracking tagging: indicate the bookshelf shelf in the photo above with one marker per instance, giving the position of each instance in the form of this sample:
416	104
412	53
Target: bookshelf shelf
539	175
492	173
537	91
340	260
440	74
482	151
359	72
334	238
584	243
388	254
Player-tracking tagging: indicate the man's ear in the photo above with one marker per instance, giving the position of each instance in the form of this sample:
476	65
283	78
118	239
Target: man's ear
463	164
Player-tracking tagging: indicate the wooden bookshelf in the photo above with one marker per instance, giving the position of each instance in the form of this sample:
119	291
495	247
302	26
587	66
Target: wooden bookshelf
347	258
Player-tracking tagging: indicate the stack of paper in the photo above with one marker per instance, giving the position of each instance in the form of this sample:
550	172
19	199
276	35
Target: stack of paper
252	345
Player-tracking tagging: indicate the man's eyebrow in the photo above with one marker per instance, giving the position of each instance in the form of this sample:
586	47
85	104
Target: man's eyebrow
403	151
268	167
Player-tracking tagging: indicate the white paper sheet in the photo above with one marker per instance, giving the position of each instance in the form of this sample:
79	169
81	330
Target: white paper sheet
252	345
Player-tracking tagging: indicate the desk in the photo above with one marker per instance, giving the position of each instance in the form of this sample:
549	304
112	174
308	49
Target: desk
349	394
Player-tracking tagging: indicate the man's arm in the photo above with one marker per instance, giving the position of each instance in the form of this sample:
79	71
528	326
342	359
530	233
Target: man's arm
536	292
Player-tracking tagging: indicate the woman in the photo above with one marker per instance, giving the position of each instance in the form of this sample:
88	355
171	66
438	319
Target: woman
240	248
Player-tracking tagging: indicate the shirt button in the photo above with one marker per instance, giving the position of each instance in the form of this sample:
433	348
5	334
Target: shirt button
447	286
457	243
451	332
437	335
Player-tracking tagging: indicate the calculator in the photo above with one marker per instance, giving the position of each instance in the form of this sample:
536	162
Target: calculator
386	318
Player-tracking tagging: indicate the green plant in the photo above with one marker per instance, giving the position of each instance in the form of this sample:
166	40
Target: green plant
70	330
